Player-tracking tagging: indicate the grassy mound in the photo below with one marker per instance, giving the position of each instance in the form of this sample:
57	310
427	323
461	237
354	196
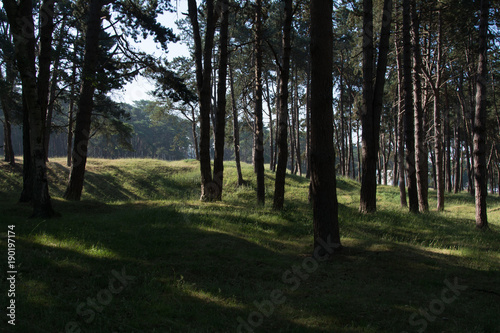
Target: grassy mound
141	253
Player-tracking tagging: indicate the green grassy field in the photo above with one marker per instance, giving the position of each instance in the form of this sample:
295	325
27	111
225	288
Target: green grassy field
141	253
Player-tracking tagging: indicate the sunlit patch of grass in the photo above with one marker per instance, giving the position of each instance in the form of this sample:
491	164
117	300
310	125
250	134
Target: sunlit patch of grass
94	250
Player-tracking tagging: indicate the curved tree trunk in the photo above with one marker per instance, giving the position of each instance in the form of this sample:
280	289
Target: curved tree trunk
373	99
86	102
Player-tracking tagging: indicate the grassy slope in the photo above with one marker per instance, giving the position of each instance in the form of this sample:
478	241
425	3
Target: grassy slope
200	266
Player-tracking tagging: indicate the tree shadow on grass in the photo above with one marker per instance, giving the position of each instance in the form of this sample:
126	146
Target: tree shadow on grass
193	276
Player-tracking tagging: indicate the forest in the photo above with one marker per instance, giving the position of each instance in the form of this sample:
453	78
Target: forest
317	143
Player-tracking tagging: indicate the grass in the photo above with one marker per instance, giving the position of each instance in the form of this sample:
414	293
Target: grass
198	267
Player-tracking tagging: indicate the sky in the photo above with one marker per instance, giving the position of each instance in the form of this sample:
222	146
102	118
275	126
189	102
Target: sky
138	89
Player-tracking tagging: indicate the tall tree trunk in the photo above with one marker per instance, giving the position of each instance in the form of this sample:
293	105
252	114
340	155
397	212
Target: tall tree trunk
447	142
71	108
323	182
480	121
420	146
194	133
44	61
85	103
373	101
438	134
292	138
351	146
284	74
470	188
387	158
433	164
220	122
308	125
271	130
27	192
297	125
20	17
7	128
342	154
395	164
277	101
259	149
236	129
467	131
401	125
368	178
360	168
7	140
457	157
409	111
203	61
53	86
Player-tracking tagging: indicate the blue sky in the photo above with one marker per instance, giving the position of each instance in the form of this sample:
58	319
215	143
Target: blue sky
138	89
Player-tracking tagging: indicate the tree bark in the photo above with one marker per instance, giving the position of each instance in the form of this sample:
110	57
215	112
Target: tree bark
409	111
27	192
480	122
323	182
71	108
259	133
271	127
236	129
447	142
279	184
22	28
457	157
53	87
220	122
401	120
342	154
203	61
85	103
438	134
395	164
421	158
194	133
297	125
308	125
44	61
373	101
5	101
292	137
